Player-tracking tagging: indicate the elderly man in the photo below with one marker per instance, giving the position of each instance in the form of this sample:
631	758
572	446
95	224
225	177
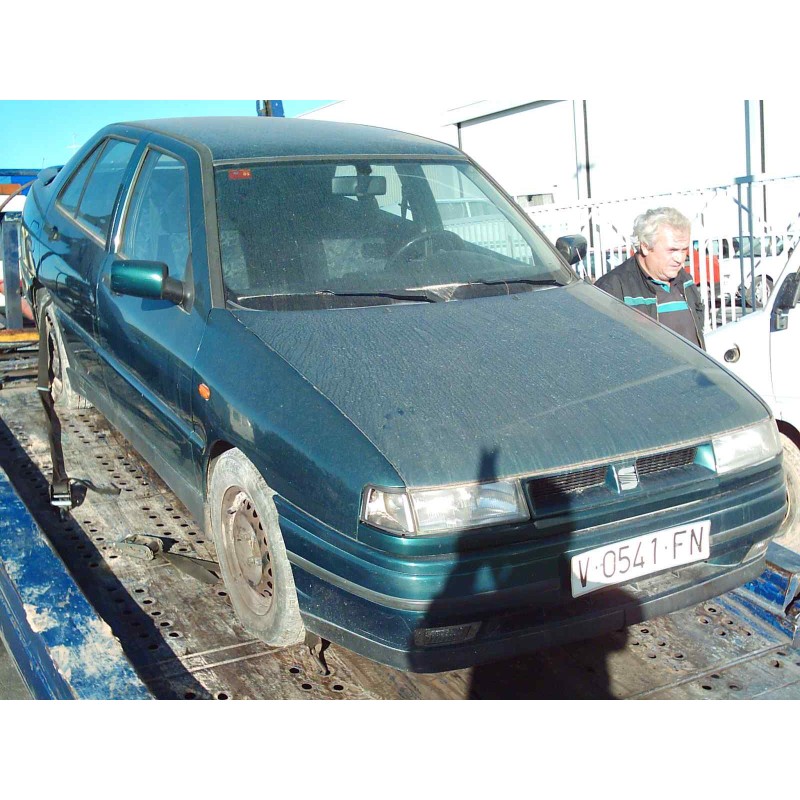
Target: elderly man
654	281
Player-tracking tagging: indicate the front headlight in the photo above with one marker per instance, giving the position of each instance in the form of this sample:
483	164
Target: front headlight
423	511
746	447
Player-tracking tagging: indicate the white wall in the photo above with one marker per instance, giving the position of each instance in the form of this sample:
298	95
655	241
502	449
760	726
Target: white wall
528	152
424	118
638	148
635	148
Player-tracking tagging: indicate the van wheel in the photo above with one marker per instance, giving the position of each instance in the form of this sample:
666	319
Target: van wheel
251	552
61	389
789	533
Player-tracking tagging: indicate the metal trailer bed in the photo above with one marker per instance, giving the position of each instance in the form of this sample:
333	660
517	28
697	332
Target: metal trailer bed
177	636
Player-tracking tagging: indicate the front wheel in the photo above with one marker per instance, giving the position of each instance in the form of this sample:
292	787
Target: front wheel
251	551
61	389
789	533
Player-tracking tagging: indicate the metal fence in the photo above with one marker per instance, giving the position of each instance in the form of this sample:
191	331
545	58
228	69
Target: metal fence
736	254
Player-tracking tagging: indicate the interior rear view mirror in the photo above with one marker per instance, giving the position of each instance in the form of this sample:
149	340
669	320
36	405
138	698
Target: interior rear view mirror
355	185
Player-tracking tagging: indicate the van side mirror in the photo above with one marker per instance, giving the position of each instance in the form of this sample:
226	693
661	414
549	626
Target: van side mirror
786	300
789	292
149	279
572	248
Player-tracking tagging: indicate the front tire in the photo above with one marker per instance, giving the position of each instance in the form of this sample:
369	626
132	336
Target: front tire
251	551
788	534
61	389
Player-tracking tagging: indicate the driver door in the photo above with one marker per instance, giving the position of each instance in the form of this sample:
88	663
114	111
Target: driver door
150	345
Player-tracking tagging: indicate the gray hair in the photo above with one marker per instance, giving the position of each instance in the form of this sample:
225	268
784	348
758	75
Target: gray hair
647	225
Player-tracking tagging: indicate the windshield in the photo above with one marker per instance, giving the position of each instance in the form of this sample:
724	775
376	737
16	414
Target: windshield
351	232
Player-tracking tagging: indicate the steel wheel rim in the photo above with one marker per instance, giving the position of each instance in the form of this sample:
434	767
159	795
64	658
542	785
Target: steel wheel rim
247	549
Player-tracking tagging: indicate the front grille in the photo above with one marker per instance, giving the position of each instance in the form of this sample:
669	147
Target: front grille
664	461
555	485
549	489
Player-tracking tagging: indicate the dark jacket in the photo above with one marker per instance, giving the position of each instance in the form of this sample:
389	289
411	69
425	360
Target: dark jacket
628	280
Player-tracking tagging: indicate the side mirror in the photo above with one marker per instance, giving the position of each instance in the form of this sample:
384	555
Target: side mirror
789	292
786	300
572	248
148	279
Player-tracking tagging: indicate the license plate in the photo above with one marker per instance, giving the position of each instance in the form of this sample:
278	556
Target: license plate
633	558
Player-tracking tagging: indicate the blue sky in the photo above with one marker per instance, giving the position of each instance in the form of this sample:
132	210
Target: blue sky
41	133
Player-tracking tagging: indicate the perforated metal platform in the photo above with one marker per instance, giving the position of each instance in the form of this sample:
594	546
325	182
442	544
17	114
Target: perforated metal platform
184	642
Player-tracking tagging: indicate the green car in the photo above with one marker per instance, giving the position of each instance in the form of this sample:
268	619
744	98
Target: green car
421	437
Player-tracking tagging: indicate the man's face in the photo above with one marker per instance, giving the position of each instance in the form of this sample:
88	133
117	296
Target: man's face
665	259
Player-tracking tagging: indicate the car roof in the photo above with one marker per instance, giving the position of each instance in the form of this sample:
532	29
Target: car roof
241	138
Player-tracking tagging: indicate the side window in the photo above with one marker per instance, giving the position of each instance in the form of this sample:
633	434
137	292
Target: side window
71	195
98	200
157	221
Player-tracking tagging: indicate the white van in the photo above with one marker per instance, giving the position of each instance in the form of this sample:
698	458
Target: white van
762	349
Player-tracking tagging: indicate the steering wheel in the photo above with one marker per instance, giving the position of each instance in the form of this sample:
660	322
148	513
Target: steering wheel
448	241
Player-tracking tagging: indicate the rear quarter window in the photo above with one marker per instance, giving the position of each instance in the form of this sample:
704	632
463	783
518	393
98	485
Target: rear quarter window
71	195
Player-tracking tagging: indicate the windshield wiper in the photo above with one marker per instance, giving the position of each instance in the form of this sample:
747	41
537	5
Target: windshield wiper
426	298
528	281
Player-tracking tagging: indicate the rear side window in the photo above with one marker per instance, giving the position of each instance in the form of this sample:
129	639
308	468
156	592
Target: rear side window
92	192
74	188
157	221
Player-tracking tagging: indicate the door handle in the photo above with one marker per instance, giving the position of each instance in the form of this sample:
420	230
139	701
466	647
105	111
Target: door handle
52	232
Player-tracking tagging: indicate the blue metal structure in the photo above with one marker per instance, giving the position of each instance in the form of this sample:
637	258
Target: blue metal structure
269	108
9	254
771	597
18	176
63	649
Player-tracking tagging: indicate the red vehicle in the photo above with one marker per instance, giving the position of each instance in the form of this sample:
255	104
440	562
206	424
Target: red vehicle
708	274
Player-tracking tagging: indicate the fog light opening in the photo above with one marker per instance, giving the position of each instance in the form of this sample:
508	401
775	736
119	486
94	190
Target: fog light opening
440	637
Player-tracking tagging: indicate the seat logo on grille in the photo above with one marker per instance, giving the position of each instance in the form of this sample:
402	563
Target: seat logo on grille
627	477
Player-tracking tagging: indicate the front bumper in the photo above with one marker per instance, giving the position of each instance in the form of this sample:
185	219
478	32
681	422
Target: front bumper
507	636
515	596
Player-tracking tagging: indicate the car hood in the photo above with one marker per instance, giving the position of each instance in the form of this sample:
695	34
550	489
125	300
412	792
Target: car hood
510	385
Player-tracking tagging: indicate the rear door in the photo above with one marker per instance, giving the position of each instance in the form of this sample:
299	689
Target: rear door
149	346
76	234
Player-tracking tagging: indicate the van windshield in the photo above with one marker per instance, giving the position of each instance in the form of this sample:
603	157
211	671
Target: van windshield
352	232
